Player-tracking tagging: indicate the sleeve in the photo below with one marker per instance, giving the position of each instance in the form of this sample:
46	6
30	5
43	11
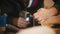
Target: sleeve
12	8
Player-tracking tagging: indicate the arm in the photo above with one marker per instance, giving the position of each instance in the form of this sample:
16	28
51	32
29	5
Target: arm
52	20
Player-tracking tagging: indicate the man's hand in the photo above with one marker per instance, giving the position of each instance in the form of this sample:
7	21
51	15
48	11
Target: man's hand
22	22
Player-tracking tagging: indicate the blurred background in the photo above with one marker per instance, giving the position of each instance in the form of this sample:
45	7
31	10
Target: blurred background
11	10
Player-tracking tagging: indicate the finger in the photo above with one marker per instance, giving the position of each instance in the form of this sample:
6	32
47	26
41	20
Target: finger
35	15
22	25
22	21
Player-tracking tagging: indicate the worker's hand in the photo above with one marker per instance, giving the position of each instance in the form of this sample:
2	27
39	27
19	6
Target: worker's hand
22	22
42	14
